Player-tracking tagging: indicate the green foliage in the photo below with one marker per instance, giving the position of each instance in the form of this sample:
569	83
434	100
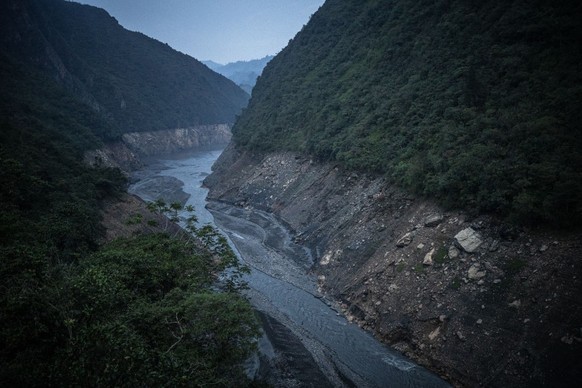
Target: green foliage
473	103
210	237
442	255
419	268
137	312
456	283
143	312
513	266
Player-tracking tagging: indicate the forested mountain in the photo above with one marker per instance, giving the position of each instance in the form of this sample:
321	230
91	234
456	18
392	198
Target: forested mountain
475	103
243	73
75	312
136	83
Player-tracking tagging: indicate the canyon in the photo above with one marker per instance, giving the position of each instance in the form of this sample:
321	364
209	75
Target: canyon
478	300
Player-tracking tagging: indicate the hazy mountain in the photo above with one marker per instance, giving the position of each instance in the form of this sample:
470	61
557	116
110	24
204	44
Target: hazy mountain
243	73
135	82
474	103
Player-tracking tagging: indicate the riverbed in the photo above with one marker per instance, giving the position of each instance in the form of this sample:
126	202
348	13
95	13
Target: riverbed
307	342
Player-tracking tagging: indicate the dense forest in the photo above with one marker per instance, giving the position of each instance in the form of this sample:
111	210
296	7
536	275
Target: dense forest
143	311
475	103
136	83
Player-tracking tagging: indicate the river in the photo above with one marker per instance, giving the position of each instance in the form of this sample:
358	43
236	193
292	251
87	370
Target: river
306	342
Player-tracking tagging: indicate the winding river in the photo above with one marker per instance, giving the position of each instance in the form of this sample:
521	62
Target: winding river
306	340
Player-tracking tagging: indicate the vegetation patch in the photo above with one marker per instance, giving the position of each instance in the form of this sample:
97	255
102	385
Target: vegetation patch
456	283
400	266
441	256
514	266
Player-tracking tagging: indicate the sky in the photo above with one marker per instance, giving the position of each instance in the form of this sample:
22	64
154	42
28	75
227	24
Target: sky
219	30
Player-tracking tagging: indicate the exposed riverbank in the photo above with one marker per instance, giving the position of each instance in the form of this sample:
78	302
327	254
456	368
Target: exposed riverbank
503	312
282	289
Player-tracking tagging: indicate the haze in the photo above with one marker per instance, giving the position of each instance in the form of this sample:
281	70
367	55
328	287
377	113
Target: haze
219	30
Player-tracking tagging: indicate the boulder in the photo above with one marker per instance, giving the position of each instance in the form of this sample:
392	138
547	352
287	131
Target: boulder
405	240
433	220
468	240
435	333
475	273
494	246
428	258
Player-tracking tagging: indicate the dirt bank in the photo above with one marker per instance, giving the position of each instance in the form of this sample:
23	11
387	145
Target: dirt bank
476	300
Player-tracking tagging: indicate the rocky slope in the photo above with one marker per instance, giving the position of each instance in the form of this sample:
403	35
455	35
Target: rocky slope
171	141
481	302
127	153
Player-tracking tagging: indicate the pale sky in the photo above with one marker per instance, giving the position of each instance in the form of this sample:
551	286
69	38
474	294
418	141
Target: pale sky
219	30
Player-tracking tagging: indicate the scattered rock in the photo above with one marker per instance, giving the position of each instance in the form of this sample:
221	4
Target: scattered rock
567	339
428	258
442	317
435	333
544	248
468	239
453	252
433	220
479	321
494	246
475	273
405	240
420	246
461	336
515	304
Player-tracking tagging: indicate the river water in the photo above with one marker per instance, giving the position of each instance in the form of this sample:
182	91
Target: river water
307	342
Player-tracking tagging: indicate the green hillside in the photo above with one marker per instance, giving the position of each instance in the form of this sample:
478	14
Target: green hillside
74	312
135	82
476	104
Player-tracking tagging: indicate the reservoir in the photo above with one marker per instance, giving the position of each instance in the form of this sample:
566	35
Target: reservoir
307	340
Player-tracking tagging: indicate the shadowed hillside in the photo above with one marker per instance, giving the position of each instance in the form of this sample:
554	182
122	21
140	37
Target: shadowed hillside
135	82
75	312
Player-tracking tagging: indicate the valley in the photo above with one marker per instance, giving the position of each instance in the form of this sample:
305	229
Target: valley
403	184
334	351
393	263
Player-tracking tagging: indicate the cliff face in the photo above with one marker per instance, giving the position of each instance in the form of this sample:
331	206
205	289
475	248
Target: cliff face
127	154
177	140
481	302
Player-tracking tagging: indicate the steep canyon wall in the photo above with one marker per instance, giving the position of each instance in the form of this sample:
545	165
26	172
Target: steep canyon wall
128	152
477	300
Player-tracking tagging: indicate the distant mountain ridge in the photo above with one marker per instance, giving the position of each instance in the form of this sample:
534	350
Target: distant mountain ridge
243	73
136	83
